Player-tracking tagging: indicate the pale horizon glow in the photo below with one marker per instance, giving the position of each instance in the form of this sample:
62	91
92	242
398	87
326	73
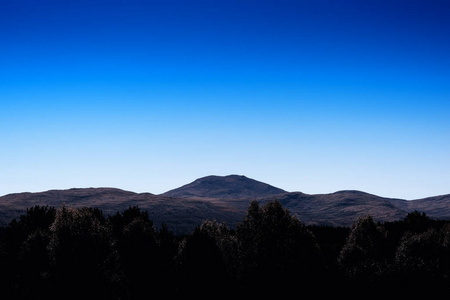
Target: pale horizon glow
147	96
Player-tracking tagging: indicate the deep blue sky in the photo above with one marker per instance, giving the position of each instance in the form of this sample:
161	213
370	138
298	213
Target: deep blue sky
311	96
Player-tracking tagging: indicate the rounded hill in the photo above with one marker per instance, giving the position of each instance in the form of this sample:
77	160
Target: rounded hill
225	187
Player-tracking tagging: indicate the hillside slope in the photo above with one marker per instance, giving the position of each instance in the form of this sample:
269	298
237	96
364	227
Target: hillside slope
181	215
340	208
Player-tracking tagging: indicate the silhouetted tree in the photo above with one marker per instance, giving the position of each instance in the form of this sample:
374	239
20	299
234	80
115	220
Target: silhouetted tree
146	255
417	222
167	250
34	264
23	255
276	249
362	259
203	261
138	250
73	253
422	259
35	218
121	219
83	254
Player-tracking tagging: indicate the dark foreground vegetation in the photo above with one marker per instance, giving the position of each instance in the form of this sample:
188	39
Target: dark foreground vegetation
65	253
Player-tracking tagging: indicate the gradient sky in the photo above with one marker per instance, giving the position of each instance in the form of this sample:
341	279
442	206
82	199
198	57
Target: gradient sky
311	96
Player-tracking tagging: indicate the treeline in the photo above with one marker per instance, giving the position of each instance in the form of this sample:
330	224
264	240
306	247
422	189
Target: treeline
72	253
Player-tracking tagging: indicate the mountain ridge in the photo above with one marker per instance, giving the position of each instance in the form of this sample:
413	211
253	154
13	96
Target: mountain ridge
226	199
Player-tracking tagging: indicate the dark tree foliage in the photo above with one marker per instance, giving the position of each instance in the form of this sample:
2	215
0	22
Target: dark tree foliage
82	251
70	253
407	258
23	255
362	259
138	251
276	250
202	260
146	255
417	222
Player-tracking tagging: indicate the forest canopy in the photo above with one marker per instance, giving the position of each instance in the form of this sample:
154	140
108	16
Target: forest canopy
48	252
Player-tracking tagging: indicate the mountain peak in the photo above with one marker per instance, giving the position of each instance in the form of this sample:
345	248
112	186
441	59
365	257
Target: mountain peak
224	187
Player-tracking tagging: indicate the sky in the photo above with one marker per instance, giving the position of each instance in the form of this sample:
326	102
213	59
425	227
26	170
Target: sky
146	96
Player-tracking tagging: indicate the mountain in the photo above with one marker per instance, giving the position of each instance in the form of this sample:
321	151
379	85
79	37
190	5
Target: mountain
225	187
437	207
340	208
226	199
181	215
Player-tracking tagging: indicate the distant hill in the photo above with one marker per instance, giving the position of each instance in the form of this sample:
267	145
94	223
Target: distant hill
181	215
340	208
437	207
225	187
226	199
